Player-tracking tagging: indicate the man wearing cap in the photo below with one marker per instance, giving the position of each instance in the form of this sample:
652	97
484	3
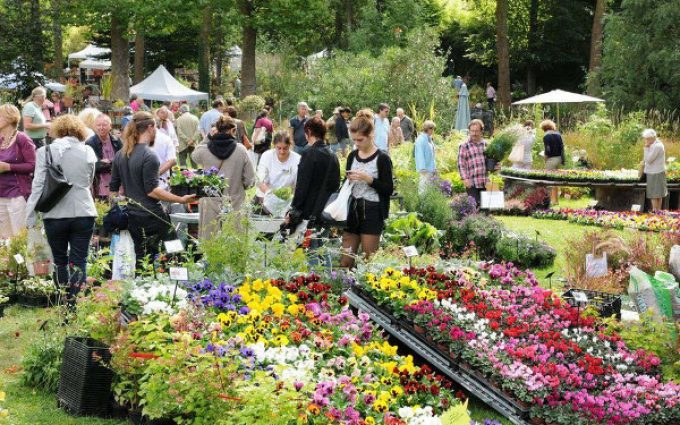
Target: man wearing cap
297	127
187	132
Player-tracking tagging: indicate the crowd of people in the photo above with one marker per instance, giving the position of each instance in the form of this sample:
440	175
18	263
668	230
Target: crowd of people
100	163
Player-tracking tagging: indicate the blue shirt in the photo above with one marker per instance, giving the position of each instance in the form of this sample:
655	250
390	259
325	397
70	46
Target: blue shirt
424	151
208	119
382	128
298	126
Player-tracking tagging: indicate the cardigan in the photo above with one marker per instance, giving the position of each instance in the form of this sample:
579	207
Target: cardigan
384	184
24	170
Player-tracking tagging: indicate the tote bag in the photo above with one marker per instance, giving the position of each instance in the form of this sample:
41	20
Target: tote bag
517	153
336	209
55	187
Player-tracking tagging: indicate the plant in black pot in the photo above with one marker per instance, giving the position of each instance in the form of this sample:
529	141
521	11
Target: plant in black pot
500	147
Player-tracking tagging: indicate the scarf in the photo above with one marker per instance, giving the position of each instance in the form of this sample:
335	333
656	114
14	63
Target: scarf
222	145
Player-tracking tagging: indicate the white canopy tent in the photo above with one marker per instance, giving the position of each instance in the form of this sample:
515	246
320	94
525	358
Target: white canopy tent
160	85
91	51
557	97
58	87
95	64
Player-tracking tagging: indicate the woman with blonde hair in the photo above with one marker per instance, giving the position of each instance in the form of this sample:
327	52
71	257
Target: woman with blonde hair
69	224
35	122
165	124
17	162
369	170
88	116
136	167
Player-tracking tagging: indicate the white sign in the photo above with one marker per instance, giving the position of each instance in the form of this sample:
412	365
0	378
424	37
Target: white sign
635	208
174	246
580	297
410	251
493	200
592	204
179	273
19	259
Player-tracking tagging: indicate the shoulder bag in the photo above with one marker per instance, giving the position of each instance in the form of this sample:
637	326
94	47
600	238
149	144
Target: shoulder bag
55	187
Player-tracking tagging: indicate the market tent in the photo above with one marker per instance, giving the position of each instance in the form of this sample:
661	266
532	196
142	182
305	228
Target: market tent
95	64
91	51
160	85
56	87
558	96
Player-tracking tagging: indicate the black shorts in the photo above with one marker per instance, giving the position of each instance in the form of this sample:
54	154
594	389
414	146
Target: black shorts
364	218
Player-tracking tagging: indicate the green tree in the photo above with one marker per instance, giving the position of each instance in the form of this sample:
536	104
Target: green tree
641	55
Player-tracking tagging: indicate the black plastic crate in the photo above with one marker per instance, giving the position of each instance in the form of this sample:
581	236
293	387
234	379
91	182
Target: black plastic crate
606	304
85	381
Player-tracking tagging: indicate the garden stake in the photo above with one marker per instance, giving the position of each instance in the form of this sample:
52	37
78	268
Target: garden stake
549	277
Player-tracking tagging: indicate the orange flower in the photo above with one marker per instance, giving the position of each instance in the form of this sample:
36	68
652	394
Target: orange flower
313	409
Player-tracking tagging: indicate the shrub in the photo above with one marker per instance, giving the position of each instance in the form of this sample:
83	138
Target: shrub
42	363
409	230
462	206
433	207
502	143
524	252
483	231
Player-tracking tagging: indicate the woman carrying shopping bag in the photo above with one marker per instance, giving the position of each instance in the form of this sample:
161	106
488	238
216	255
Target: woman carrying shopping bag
370	171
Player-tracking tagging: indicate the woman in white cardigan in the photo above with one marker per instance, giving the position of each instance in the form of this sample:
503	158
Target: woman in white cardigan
655	169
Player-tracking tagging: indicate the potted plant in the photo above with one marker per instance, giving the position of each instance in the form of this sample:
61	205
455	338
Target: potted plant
500	148
106	88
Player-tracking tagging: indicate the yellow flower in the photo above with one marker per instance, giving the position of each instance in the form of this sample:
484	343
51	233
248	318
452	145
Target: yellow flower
2	396
369	420
293	309
278	309
380	406
292	298
396	391
280	340
258	285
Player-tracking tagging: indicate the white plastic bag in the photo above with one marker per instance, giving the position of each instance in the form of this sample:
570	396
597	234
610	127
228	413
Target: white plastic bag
596	266
517	153
674	262
641	291
123	248
337	210
39	254
276	206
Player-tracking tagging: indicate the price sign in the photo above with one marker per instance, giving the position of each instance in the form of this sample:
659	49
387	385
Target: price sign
19	259
580	297
174	246
410	251
179	273
635	208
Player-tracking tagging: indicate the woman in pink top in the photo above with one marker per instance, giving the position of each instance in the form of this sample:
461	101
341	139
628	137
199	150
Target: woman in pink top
17	162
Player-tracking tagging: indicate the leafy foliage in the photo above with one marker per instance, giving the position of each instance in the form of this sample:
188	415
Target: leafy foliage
524	252
42	362
409	230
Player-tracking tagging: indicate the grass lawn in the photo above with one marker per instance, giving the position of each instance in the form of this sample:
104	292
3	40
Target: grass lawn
28	406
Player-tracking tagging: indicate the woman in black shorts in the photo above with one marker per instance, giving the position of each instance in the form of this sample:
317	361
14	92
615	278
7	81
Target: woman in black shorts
370	171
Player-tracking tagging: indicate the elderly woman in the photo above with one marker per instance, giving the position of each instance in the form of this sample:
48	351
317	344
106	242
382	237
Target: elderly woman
88	116
69	224
654	168
425	153
230	158
395	137
17	162
165	124
35	123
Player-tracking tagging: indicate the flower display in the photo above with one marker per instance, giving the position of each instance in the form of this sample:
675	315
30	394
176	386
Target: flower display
153	297
498	322
658	221
294	334
197	178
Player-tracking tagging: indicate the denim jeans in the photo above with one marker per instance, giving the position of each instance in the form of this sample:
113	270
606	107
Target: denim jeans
69	240
299	149
148	232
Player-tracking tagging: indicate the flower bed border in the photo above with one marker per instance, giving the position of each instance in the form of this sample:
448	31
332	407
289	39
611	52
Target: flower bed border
463	376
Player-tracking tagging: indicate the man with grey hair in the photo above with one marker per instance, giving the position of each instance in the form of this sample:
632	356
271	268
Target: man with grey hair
406	124
296	128
35	123
188	133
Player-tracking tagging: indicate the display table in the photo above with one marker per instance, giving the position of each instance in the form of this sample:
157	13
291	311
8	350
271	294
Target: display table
611	196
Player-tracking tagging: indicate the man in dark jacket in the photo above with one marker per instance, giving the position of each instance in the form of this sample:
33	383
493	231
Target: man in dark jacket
105	145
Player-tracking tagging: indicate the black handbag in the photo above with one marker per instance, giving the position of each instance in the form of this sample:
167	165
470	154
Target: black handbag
55	187
116	219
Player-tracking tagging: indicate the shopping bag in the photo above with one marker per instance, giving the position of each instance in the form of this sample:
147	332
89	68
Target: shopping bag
671	286
674	261
492	200
39	254
641	291
276	206
596	266
123	248
517	153
336	209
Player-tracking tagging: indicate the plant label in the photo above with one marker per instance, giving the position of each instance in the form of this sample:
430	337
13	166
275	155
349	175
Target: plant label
580	297
19	259
410	251
174	246
493	200
592	204
179	273
635	208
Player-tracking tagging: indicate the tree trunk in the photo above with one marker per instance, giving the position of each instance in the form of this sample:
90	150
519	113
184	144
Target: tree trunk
596	45
219	57
58	64
120	60
139	56
34	53
532	38
248	76
204	55
503	52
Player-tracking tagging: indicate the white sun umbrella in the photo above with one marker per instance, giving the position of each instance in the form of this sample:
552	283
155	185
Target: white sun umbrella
557	97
